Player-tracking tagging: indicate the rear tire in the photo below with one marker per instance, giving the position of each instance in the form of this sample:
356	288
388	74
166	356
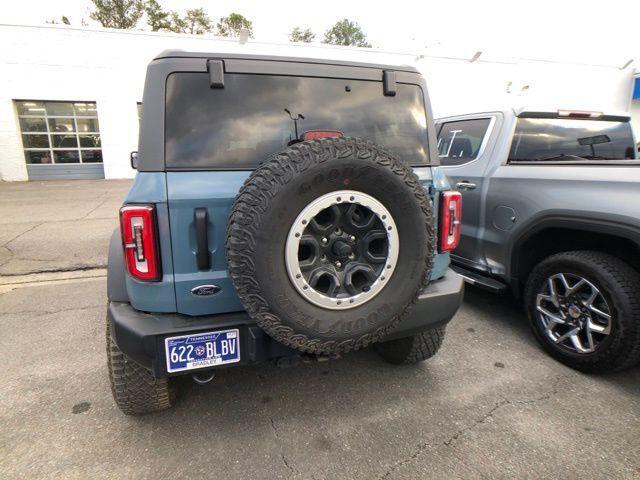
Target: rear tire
619	285
135	389
413	349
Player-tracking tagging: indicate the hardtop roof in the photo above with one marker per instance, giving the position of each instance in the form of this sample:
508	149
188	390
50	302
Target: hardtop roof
282	58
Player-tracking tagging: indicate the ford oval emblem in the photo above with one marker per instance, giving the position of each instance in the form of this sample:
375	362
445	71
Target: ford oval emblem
205	290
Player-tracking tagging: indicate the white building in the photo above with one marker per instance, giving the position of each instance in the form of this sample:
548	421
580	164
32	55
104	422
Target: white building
69	97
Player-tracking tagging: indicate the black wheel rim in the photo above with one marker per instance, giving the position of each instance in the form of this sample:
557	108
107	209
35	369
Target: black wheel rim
341	249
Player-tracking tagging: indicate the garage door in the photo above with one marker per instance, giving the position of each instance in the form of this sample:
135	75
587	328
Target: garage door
62	172
61	140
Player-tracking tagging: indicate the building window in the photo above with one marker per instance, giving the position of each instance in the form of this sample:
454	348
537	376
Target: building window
59	132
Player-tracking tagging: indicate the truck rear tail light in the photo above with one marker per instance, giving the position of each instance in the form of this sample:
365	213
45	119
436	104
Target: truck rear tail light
450	216
140	242
313	134
579	114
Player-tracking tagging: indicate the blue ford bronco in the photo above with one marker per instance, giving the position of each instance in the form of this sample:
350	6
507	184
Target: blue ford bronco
283	209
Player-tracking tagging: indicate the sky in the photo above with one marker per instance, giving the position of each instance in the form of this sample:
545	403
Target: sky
584	31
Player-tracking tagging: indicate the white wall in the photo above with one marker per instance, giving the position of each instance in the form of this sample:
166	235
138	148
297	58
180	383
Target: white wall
458	87
54	64
12	162
108	66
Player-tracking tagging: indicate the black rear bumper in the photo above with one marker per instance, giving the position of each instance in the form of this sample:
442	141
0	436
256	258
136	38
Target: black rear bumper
141	335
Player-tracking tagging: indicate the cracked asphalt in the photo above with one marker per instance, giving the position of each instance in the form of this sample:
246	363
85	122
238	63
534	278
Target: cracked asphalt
491	404
60	225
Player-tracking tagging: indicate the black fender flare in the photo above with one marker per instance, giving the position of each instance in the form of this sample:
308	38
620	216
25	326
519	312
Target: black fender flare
608	227
116	275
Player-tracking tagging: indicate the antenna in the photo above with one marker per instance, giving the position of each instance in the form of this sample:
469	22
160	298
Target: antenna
629	62
476	56
295	119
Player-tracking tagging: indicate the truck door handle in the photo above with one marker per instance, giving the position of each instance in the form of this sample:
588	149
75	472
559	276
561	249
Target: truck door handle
464	185
202	240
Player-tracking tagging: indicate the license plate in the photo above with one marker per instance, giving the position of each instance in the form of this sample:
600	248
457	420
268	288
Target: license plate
189	352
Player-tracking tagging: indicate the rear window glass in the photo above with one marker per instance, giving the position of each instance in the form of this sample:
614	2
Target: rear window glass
556	139
459	142
239	126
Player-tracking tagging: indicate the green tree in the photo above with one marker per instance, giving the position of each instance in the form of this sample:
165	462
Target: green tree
299	35
157	18
64	19
195	21
346	32
117	13
176	23
198	22
231	25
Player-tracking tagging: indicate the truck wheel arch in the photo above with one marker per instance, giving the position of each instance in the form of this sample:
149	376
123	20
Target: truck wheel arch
522	258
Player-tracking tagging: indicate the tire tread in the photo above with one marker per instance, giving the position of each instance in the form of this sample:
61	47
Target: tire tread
135	389
413	349
253	201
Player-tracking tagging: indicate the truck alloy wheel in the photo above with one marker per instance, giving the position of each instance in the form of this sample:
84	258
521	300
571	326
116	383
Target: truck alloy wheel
584	309
573	312
330	243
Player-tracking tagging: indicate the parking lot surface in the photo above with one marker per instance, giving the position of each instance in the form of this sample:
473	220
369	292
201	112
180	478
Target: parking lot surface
491	404
60	225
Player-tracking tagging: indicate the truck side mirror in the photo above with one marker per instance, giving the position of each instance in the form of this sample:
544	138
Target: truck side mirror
133	158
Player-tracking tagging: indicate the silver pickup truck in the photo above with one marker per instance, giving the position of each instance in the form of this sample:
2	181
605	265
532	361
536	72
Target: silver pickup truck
552	211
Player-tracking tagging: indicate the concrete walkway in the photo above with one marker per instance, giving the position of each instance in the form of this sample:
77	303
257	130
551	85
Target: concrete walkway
58	225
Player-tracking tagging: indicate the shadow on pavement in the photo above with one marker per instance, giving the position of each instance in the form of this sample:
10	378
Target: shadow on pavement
357	385
355	388
506	311
500	310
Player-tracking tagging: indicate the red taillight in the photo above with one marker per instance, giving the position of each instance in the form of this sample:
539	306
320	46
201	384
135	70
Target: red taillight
313	134
450	215
138	229
578	114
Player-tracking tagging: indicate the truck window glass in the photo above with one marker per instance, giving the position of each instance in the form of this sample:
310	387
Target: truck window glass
459	142
240	125
561	140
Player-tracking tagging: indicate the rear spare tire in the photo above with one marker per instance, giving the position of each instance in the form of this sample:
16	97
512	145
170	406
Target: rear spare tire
329	244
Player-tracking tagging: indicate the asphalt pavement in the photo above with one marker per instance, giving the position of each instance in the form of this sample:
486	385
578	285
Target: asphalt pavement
57	226
491	404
